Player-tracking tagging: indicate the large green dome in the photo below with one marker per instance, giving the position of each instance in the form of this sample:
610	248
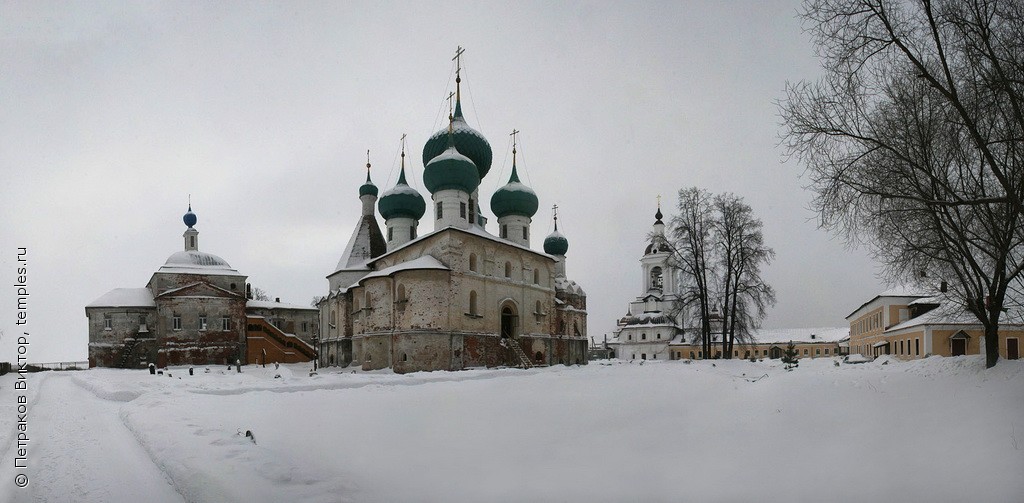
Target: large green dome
556	244
514	198
402	201
468	141
451	170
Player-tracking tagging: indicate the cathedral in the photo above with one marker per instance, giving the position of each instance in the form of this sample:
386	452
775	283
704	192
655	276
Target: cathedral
458	296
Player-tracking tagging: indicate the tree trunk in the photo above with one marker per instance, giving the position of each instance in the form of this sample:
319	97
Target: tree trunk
991	345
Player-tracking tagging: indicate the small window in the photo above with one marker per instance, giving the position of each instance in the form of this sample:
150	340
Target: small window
305	326
504	231
412	232
472	207
225	323
462	210
472	262
643	356
192	241
817	351
658	336
526	233
508	269
405	357
440	213
643	337
826	351
472	302
917	347
629	337
691	355
176	322
202	322
108	322
805	352
538	308
536	276
391	233
232	286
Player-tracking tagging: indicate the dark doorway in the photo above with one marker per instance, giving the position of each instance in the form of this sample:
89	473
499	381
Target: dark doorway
959	346
1012	349
508	322
775	352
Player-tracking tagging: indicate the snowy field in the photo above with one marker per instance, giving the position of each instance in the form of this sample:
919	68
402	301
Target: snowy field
934	430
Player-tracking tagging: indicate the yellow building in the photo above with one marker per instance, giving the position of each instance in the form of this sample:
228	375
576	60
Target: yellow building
910	324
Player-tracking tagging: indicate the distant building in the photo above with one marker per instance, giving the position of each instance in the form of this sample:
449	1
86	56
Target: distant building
912	324
194	311
459	296
654	326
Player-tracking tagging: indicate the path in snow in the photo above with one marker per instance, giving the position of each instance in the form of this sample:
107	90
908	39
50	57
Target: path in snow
107	464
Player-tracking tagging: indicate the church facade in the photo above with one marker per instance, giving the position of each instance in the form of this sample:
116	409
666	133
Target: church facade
459	296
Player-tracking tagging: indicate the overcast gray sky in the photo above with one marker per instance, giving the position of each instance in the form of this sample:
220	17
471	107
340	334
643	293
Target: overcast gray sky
112	113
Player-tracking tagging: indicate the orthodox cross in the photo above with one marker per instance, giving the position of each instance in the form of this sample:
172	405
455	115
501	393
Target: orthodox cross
513	135
659	200
458	59
450	113
403	149
367	164
554	211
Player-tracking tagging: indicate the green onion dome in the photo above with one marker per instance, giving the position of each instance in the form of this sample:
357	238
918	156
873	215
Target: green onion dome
451	170
555	243
368	188
514	198
402	201
468	141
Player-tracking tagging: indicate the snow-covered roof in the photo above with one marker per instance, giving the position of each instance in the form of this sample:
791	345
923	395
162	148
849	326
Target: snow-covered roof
897	292
424	262
196	262
266	304
474	230
824	334
360	247
937	316
125	297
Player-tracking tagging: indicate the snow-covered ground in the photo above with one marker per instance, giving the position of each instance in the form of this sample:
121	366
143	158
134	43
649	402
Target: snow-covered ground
930	430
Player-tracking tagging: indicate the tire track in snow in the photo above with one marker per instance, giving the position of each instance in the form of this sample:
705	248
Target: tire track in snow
72	460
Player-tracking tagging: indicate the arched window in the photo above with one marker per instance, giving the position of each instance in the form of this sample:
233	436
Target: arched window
538	308
643	337
538	357
508	269
472	303
629	337
536	276
656	279
472	262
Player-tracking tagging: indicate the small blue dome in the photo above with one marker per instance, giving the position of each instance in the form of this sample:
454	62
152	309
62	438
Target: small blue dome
189	218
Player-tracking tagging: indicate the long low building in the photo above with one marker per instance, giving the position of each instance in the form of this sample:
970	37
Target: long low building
911	324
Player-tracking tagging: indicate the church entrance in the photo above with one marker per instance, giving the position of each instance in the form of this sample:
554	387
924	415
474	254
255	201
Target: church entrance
775	352
509	320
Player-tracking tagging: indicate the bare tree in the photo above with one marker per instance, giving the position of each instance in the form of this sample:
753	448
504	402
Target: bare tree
739	252
718	246
259	294
914	141
691	246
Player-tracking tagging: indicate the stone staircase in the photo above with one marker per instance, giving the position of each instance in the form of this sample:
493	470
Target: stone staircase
126	353
524	360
